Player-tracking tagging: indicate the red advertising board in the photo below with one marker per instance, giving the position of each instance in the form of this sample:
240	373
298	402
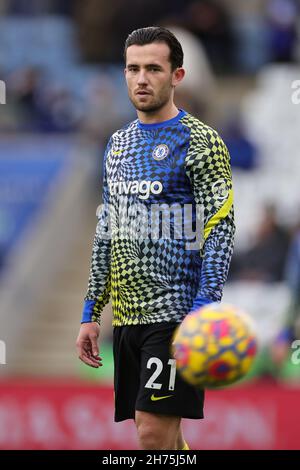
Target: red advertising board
76	415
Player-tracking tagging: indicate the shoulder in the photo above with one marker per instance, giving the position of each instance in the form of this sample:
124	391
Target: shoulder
119	135
201	131
206	148
124	131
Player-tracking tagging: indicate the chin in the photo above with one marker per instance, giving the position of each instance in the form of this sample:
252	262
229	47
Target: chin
147	108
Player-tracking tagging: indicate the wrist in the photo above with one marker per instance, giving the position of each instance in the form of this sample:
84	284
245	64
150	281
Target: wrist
88	312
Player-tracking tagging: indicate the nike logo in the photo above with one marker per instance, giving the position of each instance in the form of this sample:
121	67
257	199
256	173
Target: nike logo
117	152
154	398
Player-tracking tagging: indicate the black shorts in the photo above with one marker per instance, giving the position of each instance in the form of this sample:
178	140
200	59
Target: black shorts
145	376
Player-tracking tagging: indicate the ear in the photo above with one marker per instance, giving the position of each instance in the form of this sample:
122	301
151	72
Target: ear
178	75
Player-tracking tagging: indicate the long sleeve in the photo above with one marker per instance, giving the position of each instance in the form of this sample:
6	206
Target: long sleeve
208	167
99	284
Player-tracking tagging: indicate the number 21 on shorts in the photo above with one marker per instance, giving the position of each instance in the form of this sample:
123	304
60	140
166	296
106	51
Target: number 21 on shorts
158	370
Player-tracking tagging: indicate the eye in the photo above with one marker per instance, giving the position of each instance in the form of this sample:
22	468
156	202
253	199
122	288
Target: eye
132	69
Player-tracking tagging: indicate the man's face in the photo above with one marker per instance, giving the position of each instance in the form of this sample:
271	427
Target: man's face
149	77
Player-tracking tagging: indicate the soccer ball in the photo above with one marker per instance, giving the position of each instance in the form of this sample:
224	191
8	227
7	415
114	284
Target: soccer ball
214	346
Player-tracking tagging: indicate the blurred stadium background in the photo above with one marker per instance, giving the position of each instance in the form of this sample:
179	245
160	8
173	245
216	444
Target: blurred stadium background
61	61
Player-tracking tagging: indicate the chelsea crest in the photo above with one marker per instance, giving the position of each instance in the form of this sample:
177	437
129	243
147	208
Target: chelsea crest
160	152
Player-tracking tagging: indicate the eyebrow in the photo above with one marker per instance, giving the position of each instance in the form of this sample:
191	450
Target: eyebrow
147	66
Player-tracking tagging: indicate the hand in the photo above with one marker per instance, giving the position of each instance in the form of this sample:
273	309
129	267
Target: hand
87	344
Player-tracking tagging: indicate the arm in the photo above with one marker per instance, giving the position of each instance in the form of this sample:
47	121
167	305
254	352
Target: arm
208	167
98	292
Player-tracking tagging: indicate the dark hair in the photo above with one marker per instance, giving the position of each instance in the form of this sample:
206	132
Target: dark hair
152	34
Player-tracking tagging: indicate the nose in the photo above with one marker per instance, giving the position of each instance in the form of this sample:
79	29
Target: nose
142	78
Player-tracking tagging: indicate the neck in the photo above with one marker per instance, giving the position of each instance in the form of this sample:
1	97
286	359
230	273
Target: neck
164	114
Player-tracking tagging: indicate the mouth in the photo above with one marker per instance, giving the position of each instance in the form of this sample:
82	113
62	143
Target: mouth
142	93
